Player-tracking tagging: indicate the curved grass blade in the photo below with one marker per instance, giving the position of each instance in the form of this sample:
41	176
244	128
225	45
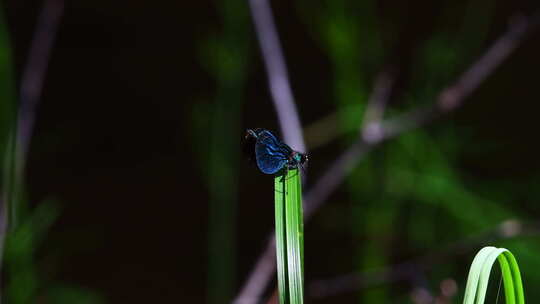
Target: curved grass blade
478	279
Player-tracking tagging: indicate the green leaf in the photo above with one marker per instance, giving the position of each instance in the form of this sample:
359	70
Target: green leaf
289	237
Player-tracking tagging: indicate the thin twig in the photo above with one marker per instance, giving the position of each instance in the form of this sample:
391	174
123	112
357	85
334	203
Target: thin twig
377	104
448	100
407	270
453	96
31	86
35	69
278	79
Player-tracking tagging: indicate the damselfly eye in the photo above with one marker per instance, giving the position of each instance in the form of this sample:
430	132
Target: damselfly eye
303	158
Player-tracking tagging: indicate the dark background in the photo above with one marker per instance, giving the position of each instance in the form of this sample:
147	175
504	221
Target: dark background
126	110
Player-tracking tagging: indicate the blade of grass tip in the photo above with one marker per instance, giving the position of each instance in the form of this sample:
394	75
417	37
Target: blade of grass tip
293	220
478	279
474	275
486	270
281	248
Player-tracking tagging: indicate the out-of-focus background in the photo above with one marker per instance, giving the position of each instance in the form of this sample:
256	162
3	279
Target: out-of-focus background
135	190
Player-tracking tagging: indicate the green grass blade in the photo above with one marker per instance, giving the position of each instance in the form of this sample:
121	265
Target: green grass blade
281	241
516	275
294	230
289	237
474	275
478	279
506	272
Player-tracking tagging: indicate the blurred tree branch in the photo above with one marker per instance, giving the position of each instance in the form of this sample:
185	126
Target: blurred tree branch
30	89
377	103
374	132
453	96
448	100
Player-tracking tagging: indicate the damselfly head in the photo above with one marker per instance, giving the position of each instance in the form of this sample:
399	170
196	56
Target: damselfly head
303	158
299	158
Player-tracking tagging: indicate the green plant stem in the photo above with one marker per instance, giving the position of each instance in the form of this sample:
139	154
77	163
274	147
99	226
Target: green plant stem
289	237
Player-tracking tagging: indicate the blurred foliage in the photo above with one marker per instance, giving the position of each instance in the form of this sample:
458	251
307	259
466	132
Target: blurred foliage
26	279
67	294
410	192
21	246
409	197
347	32
27	227
224	55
